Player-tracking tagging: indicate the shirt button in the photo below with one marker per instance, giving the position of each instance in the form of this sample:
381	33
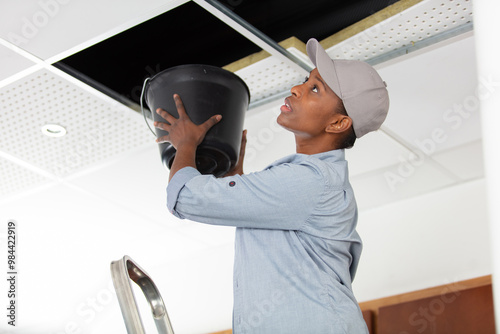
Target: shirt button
232	184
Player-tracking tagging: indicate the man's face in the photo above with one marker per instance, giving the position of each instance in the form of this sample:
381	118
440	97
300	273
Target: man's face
310	108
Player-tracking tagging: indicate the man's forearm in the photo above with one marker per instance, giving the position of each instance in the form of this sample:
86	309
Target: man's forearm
184	157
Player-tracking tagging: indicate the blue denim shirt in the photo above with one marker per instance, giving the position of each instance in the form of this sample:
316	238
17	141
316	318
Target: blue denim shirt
296	245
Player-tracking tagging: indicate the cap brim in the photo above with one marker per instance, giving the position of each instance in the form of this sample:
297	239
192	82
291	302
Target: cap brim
324	64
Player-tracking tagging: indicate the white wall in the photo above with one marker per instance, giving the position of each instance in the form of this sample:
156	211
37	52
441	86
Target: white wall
431	240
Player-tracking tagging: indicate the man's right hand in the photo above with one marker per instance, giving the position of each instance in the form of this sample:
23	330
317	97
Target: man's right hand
183	134
182	131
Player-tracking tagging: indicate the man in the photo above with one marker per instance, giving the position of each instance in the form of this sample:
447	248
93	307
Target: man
296	246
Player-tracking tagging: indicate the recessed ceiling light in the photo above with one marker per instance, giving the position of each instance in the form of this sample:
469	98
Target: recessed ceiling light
53	130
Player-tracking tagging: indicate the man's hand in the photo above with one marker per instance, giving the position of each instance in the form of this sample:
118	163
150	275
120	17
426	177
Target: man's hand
183	134
238	168
182	131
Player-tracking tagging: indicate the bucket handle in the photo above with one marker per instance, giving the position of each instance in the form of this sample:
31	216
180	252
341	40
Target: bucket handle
142	107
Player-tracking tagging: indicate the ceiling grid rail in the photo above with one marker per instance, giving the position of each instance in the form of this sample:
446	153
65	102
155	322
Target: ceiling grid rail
253	34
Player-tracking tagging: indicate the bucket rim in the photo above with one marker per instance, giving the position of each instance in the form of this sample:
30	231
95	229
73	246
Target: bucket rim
150	79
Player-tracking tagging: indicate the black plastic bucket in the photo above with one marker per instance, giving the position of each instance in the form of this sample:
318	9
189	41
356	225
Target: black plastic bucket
205	91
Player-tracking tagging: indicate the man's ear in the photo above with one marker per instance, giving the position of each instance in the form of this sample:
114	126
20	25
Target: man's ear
339	124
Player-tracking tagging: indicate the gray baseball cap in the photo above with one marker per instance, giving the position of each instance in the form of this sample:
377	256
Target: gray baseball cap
357	84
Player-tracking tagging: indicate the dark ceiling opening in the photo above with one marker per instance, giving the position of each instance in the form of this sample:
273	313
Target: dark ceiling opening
188	34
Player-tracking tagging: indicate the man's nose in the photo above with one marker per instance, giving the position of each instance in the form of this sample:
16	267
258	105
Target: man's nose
296	91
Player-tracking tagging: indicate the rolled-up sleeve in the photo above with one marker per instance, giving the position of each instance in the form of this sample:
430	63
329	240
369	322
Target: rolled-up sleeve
176	184
280	197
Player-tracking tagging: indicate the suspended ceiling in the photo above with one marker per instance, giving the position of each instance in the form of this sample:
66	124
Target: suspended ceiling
188	34
104	182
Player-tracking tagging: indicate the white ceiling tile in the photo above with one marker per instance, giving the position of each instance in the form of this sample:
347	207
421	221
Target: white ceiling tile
434	97
401	181
51	27
15	179
137	182
12	62
373	151
98	128
465	161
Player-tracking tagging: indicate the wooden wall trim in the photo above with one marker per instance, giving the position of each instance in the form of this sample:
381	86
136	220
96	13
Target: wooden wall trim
441	290
224	332
424	293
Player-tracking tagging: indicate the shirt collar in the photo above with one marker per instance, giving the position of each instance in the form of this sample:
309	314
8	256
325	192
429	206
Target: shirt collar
329	156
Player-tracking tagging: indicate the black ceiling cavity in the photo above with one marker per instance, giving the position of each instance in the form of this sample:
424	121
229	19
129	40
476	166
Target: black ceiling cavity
188	34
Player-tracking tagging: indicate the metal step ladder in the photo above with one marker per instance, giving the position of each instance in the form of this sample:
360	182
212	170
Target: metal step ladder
122	272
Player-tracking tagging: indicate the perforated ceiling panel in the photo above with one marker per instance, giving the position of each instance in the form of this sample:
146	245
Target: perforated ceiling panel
421	22
97	128
270	77
16	178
